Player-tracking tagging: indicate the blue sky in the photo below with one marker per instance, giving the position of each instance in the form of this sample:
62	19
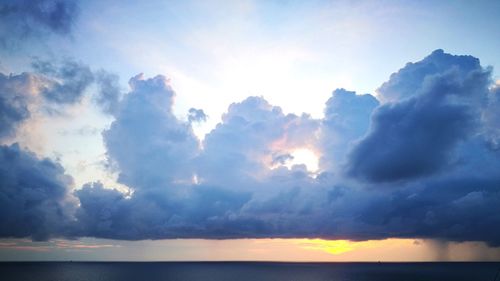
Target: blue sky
250	120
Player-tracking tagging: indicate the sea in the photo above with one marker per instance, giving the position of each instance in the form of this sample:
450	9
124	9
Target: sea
251	271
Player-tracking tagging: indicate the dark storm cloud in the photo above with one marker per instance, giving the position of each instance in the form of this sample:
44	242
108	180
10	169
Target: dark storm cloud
14	99
67	81
32	193
458	208
409	80
21	19
417	135
182	212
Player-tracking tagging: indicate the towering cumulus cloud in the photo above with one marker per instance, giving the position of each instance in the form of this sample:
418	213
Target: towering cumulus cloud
434	105
180	190
148	145
419	161
419	147
252	136
347	117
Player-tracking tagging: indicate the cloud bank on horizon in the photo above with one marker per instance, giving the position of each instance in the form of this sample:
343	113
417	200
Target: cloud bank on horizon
420	160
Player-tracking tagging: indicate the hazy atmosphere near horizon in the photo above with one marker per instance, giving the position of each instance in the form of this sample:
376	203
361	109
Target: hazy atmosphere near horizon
249	130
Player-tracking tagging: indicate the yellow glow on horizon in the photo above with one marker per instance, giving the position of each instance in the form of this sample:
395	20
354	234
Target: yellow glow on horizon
263	249
337	247
391	249
334	247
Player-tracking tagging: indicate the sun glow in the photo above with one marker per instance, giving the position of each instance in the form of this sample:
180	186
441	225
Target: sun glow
334	247
337	247
306	157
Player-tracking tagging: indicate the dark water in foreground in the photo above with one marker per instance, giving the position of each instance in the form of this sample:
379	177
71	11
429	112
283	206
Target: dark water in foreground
242	271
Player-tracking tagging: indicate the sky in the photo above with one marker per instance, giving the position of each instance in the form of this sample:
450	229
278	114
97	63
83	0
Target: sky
249	130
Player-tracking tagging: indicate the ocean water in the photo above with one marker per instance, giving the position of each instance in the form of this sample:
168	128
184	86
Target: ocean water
243	271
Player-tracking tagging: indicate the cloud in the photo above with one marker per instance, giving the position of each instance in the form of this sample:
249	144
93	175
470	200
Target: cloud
109	93
147	143
491	118
420	164
418	134
33	191
32	195
67	81
242	146
157	155
22	19
155	213
409	80
235	185
196	115
15	96
457	208
51	86
347	118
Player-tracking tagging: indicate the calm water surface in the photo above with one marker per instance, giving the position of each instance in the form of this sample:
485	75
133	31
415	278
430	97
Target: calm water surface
242	271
